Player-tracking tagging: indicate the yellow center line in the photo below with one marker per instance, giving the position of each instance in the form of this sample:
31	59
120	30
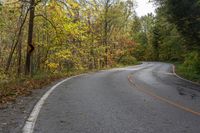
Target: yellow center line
162	98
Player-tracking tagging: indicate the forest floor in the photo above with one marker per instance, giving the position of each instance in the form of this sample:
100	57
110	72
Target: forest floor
14	114
17	98
10	90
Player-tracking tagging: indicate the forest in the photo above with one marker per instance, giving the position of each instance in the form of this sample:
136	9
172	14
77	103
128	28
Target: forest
44	40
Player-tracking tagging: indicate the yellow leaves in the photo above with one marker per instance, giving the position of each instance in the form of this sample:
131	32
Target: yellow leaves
75	30
73	4
71	28
60	55
100	50
57	59
3	76
52	66
119	52
63	54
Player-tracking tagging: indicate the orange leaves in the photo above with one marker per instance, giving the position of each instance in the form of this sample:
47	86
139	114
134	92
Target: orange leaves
10	91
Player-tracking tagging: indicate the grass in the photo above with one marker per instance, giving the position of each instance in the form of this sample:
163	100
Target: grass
187	73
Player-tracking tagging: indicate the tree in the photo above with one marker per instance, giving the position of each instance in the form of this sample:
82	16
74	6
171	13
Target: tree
30	47
65	35
185	15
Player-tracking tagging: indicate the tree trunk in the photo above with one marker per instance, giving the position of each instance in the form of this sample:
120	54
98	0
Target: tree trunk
30	47
14	44
105	38
20	41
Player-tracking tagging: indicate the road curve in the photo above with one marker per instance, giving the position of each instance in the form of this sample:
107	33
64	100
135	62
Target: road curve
147	98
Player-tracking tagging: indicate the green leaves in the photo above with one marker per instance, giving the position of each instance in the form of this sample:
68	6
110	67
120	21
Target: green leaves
185	15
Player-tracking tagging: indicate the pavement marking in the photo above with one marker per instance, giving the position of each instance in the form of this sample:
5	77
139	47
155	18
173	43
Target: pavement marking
30	122
162	98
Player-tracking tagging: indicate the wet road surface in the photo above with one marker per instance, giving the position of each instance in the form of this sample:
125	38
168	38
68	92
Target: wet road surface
147	98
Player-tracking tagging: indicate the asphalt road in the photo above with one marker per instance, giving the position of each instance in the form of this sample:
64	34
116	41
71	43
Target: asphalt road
147	98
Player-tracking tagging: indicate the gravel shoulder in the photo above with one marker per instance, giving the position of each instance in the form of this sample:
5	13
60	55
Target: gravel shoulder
13	115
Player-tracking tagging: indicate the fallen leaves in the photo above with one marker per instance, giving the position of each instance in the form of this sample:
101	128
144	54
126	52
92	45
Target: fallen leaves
9	91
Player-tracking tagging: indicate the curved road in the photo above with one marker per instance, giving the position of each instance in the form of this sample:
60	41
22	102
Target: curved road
147	98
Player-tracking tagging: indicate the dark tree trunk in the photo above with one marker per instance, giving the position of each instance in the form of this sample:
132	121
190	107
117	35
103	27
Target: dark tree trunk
30	47
19	55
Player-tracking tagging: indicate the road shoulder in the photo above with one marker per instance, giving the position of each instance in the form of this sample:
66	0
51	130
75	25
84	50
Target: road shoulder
180	77
14	115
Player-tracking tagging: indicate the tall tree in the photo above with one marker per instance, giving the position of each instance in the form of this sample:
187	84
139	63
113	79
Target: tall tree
30	47
185	15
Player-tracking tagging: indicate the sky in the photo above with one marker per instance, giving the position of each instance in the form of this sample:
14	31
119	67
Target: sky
144	7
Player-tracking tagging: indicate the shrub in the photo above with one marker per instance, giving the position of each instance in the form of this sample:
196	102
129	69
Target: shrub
3	76
192	62
127	60
191	67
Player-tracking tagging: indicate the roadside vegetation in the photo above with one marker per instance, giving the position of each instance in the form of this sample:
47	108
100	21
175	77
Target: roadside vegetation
178	35
190	68
45	40
42	41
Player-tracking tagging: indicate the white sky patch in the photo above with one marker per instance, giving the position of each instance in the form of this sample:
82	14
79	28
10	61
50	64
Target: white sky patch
144	7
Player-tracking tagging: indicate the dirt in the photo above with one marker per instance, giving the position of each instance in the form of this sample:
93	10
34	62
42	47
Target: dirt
13	115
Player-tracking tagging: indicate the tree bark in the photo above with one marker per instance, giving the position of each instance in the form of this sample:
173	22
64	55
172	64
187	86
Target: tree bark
105	38
20	41
30	47
14	45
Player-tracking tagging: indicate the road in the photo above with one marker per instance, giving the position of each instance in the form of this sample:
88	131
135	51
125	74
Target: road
147	98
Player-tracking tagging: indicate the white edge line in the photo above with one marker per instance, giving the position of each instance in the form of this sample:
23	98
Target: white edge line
30	122
181	77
